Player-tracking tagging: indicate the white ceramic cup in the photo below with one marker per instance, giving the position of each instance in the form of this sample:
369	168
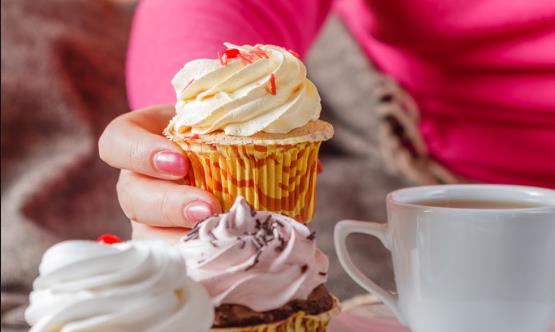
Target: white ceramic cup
465	269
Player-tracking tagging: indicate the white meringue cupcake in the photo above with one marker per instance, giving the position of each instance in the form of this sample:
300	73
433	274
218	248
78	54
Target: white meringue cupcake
130	286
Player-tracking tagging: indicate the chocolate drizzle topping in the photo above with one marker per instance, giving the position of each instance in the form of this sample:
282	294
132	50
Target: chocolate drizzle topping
257	244
264	233
267	225
282	244
256	259
192	235
252	211
322	273
312	236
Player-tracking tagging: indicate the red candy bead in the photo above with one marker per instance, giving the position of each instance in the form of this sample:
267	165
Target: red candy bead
108	239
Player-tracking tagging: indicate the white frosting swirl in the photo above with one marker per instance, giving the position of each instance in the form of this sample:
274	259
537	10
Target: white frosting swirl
261	260
131	286
237	97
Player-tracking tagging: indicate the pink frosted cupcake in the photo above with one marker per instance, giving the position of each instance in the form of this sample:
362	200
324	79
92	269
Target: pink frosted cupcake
262	270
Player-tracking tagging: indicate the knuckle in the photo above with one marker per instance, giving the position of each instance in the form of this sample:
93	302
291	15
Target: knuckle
166	208
136	153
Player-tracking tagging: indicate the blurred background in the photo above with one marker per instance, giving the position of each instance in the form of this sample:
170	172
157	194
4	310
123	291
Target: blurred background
63	81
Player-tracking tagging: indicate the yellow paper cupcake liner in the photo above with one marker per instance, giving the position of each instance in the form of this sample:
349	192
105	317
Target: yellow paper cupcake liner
299	322
277	178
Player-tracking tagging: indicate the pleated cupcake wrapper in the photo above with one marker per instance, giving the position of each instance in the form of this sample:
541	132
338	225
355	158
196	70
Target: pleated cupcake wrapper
299	322
278	178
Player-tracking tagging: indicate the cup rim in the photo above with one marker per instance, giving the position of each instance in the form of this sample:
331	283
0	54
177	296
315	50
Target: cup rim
546	193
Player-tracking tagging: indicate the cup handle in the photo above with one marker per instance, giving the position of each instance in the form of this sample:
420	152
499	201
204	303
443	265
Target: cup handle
342	230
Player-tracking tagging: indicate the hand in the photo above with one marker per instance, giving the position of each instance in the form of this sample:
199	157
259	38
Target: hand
148	188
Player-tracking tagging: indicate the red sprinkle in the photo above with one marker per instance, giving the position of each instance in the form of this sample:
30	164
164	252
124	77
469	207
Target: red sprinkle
190	82
273	87
231	53
220	56
260	53
294	53
108	239
228	54
246	57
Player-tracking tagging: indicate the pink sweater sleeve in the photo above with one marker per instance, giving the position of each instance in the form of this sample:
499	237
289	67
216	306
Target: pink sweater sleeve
166	34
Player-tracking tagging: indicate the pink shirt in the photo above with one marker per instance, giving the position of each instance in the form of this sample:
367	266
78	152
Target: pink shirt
481	71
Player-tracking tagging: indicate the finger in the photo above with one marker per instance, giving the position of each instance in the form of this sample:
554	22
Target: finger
163	203
144	232
134	141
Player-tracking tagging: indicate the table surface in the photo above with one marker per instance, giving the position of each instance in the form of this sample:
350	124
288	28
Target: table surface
366	313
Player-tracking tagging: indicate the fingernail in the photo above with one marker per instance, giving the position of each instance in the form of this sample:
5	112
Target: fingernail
197	211
170	162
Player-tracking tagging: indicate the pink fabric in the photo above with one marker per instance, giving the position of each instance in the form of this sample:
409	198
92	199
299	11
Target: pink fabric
481	71
166	34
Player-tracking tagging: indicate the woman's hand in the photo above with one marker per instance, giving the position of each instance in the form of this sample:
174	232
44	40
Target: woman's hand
157	205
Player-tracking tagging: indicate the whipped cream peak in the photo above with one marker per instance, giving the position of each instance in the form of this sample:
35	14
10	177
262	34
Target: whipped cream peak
248	89
261	259
130	286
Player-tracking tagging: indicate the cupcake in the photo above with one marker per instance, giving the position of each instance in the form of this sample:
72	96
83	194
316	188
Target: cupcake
262	270
248	122
131	286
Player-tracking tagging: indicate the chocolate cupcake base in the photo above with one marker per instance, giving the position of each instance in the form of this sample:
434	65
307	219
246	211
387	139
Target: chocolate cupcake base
234	315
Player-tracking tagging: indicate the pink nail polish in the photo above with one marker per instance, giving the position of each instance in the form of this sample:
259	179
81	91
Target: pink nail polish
170	162
197	211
